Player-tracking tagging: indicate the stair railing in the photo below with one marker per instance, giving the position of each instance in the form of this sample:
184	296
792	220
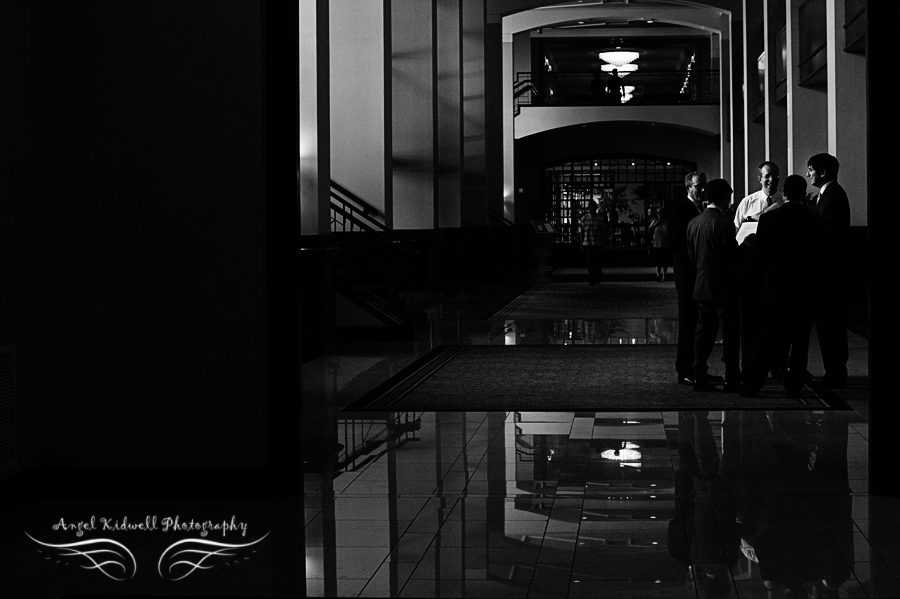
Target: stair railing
369	266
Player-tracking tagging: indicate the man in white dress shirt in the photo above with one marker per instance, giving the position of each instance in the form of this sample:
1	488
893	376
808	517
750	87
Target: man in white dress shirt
751	270
768	197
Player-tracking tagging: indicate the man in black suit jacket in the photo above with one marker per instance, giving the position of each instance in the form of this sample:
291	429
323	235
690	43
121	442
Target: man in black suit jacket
714	252
832	213
786	244
676	217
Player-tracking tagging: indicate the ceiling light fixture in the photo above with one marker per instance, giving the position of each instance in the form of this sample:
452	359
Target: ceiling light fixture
619	57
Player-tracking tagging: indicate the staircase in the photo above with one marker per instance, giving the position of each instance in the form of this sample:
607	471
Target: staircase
373	271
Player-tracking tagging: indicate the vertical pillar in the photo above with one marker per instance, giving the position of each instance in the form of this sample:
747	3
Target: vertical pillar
357	98
738	103
721	52
882	29
449	108
754	132
509	163
314	146
846	97
776	113
474	204
494	90
412	108
807	108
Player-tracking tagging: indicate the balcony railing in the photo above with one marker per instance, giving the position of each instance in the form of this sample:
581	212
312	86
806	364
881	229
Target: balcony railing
649	88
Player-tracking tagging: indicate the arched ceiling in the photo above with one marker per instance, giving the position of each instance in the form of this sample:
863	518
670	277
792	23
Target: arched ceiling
502	8
691	15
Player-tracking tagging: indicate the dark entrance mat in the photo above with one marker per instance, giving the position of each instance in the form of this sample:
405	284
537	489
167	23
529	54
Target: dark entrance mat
567	378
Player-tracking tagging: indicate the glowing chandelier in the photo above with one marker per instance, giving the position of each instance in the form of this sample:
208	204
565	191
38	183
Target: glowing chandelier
619	57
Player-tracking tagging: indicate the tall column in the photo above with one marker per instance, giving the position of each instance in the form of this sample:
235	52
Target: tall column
509	163
474	200
721	54
314	167
494	91
807	108
357	98
412	106
846	117
738	102
776	114
882	31
754	132
449	107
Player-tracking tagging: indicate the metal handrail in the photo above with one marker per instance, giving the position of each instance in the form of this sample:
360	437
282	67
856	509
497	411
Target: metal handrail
398	427
371	257
500	219
354	204
650	88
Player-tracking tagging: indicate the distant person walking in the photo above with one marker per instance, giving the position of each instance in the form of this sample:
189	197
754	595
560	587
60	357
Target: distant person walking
615	88
659	246
592	225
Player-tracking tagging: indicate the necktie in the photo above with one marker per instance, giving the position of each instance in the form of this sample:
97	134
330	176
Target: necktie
768	201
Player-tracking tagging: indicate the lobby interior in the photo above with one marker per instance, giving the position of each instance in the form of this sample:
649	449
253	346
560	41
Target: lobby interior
164	304
487	424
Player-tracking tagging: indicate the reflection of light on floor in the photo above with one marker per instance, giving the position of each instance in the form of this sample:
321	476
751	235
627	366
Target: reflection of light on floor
621	454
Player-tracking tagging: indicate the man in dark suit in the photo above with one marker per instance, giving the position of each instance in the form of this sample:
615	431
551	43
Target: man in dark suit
832	214
714	252
676	217
786	245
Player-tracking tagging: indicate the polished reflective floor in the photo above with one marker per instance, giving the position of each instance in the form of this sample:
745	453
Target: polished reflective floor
624	504
586	504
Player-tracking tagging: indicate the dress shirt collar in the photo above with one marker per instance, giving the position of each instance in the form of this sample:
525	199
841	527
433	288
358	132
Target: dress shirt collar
776	197
824	185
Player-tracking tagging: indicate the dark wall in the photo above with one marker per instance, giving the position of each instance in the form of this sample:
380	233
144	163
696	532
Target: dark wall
533	153
149	234
16	180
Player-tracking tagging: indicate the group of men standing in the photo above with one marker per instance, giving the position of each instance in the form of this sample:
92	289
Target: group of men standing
767	290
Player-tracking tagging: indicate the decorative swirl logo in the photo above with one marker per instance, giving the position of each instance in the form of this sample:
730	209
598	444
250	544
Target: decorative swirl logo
194	566
72	551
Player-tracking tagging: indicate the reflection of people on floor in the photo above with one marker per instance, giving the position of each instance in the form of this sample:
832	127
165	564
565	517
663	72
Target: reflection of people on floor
703	534
795	517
